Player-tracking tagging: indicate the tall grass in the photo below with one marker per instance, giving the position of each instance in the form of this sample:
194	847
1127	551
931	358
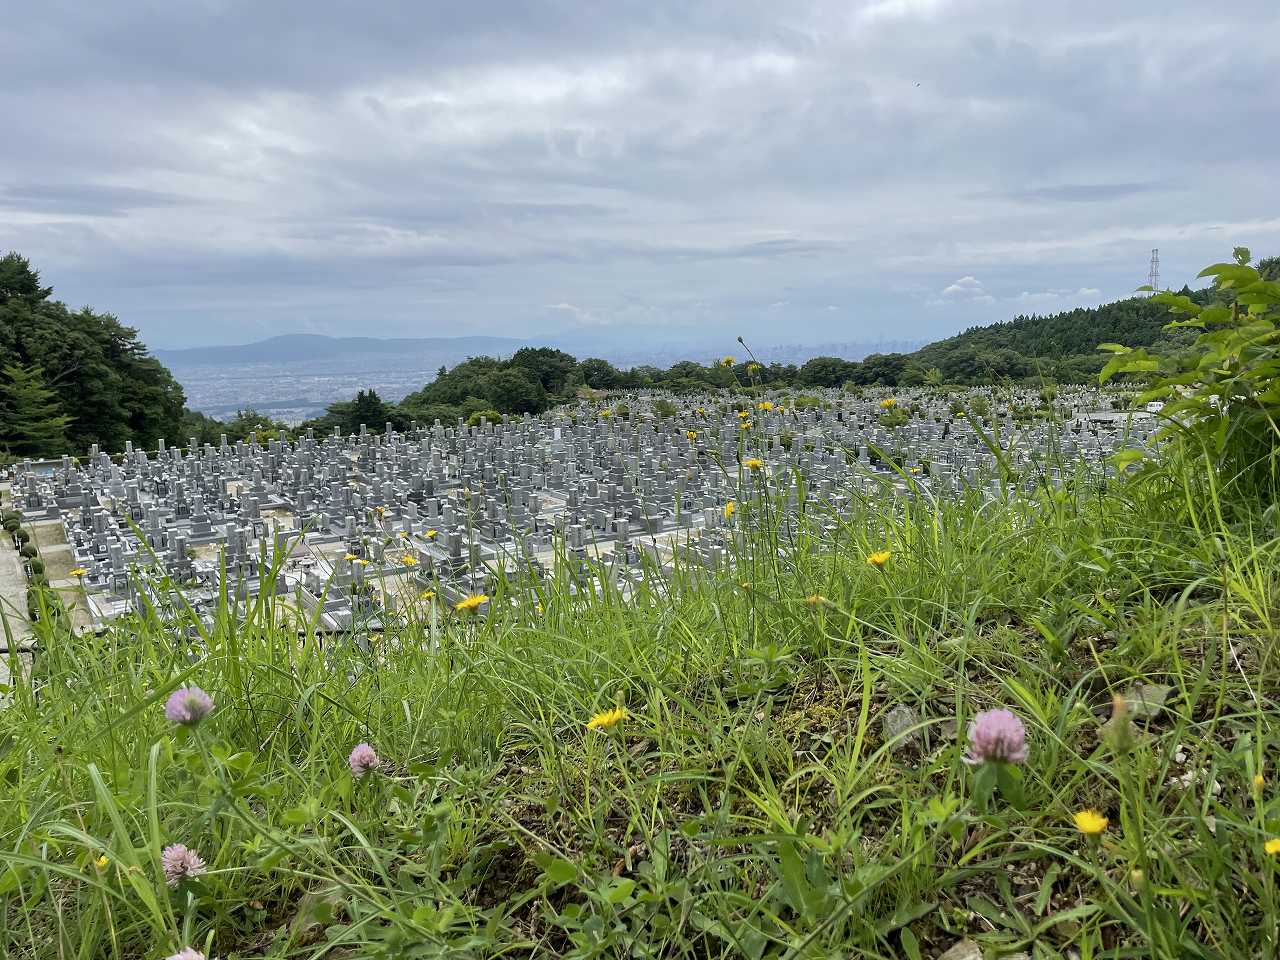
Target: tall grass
788	780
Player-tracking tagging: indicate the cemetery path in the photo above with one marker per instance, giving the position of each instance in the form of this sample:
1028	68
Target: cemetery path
13	607
13	592
13	604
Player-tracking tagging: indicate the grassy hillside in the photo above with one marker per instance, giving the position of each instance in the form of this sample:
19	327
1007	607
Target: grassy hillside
789	778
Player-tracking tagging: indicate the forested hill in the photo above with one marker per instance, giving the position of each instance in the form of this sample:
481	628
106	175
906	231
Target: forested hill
73	378
1063	346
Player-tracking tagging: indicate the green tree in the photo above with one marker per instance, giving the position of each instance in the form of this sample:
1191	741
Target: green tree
96	365
551	368
370	409
598	374
31	420
514	391
18	281
825	372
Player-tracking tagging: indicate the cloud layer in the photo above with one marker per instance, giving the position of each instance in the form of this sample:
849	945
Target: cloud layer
222	171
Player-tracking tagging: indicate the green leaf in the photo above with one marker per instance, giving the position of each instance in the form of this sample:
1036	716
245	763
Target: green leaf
10	879
1123	458
1178	303
794	881
306	812
1009	779
1215	314
910	945
556	869
619	890
1046	889
984	783
1231	274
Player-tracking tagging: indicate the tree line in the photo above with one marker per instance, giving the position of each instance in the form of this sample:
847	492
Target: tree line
71	379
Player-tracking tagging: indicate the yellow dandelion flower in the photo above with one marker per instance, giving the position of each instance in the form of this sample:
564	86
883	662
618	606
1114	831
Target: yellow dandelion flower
764	405
754	368
473	602
815	600
1272	846
700	412
1090	822
727	362
402	535
730	509
363	562
607	718
350	557
753	463
427	595
101	862
79	572
432	534
606	414
746	424
691	434
745	586
537	608
888	403
409	560
879	558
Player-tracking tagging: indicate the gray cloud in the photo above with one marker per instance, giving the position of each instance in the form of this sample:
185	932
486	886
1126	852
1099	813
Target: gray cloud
219	171
84	199
1075	192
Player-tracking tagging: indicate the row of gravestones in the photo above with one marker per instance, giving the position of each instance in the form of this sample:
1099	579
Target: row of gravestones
458	499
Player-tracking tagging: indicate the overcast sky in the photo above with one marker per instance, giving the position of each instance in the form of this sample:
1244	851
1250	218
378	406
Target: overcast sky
218	172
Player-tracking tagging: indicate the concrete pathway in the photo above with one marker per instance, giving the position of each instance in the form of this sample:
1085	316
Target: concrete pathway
13	598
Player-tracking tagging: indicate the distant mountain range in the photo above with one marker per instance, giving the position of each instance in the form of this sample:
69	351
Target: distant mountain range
324	354
308	347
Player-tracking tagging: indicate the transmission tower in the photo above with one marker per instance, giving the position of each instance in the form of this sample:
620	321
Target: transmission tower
1153	275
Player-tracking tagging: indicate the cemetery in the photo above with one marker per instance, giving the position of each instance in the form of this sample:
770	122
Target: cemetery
355	526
